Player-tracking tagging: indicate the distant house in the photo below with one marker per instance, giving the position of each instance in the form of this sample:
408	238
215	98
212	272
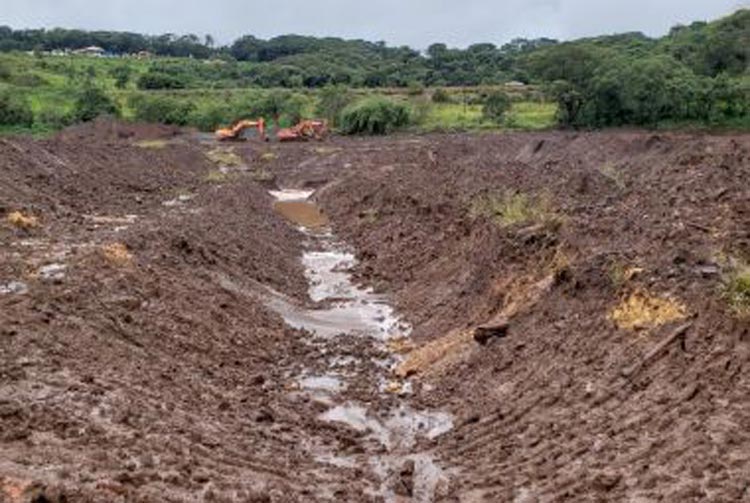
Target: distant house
143	55
514	84
90	51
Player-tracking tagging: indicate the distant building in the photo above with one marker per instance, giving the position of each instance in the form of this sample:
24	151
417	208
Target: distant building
143	55
514	84
90	51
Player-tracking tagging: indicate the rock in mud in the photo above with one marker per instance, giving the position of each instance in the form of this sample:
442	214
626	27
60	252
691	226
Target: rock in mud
404	483
264	416
53	272
494	329
606	481
14	287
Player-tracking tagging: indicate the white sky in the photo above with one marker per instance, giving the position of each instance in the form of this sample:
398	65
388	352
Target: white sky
416	23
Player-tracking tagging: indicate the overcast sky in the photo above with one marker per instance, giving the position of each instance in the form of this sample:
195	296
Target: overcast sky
412	22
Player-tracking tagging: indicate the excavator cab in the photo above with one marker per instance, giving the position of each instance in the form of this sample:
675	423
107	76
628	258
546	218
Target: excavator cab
310	129
235	132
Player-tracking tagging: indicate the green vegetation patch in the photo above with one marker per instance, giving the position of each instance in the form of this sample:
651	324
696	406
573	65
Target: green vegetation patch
152	144
224	156
374	115
512	208
15	110
217	176
737	289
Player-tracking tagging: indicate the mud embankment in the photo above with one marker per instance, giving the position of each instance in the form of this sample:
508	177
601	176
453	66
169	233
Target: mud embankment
143	356
617	370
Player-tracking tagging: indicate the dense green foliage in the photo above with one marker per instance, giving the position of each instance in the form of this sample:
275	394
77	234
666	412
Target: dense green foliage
161	109
14	110
707	49
92	102
332	100
121	74
374	116
114	42
496	105
441	96
696	74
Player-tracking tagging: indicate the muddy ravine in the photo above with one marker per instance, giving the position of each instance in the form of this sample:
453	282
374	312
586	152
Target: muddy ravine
346	308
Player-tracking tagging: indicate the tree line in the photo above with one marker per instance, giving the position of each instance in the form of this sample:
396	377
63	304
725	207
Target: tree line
59	39
696	73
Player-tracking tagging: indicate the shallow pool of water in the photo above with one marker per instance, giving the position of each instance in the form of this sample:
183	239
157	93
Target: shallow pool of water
322	383
303	213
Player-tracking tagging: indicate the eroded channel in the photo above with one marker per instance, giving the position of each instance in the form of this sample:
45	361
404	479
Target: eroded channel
352	310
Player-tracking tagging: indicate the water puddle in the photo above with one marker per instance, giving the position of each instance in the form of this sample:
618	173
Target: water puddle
401	428
302	213
328	383
178	201
347	308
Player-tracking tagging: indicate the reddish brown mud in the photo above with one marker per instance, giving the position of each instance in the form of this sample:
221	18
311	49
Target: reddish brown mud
143	356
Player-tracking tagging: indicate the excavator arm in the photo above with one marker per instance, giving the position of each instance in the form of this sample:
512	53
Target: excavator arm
234	132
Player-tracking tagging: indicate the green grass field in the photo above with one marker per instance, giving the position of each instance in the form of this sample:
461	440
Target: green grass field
51	83
524	115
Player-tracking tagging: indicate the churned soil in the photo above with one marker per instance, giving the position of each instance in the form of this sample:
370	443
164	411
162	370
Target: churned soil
566	292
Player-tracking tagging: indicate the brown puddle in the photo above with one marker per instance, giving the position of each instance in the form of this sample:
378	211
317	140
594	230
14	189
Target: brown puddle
302	213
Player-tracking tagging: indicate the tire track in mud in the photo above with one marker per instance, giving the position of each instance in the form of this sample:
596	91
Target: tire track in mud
392	430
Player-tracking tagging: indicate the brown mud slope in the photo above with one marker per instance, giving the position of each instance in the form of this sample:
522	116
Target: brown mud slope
612	367
137	362
565	292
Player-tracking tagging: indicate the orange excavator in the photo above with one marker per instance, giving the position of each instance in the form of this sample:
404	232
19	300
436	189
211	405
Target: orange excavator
234	132
305	130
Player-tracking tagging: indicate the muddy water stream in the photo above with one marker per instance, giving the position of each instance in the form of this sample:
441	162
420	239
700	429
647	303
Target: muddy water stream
353	310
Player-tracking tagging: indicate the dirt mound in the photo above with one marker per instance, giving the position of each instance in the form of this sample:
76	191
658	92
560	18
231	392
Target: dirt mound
104	129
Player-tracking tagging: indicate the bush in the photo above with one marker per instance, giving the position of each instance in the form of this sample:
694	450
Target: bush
15	110
158	80
415	89
374	116
271	105
54	119
332	100
28	80
161	109
211	117
420	111
569	102
293	108
121	74
92	102
5	72
441	96
737	289
496	105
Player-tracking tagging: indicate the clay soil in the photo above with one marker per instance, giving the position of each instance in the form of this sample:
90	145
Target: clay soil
138	361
